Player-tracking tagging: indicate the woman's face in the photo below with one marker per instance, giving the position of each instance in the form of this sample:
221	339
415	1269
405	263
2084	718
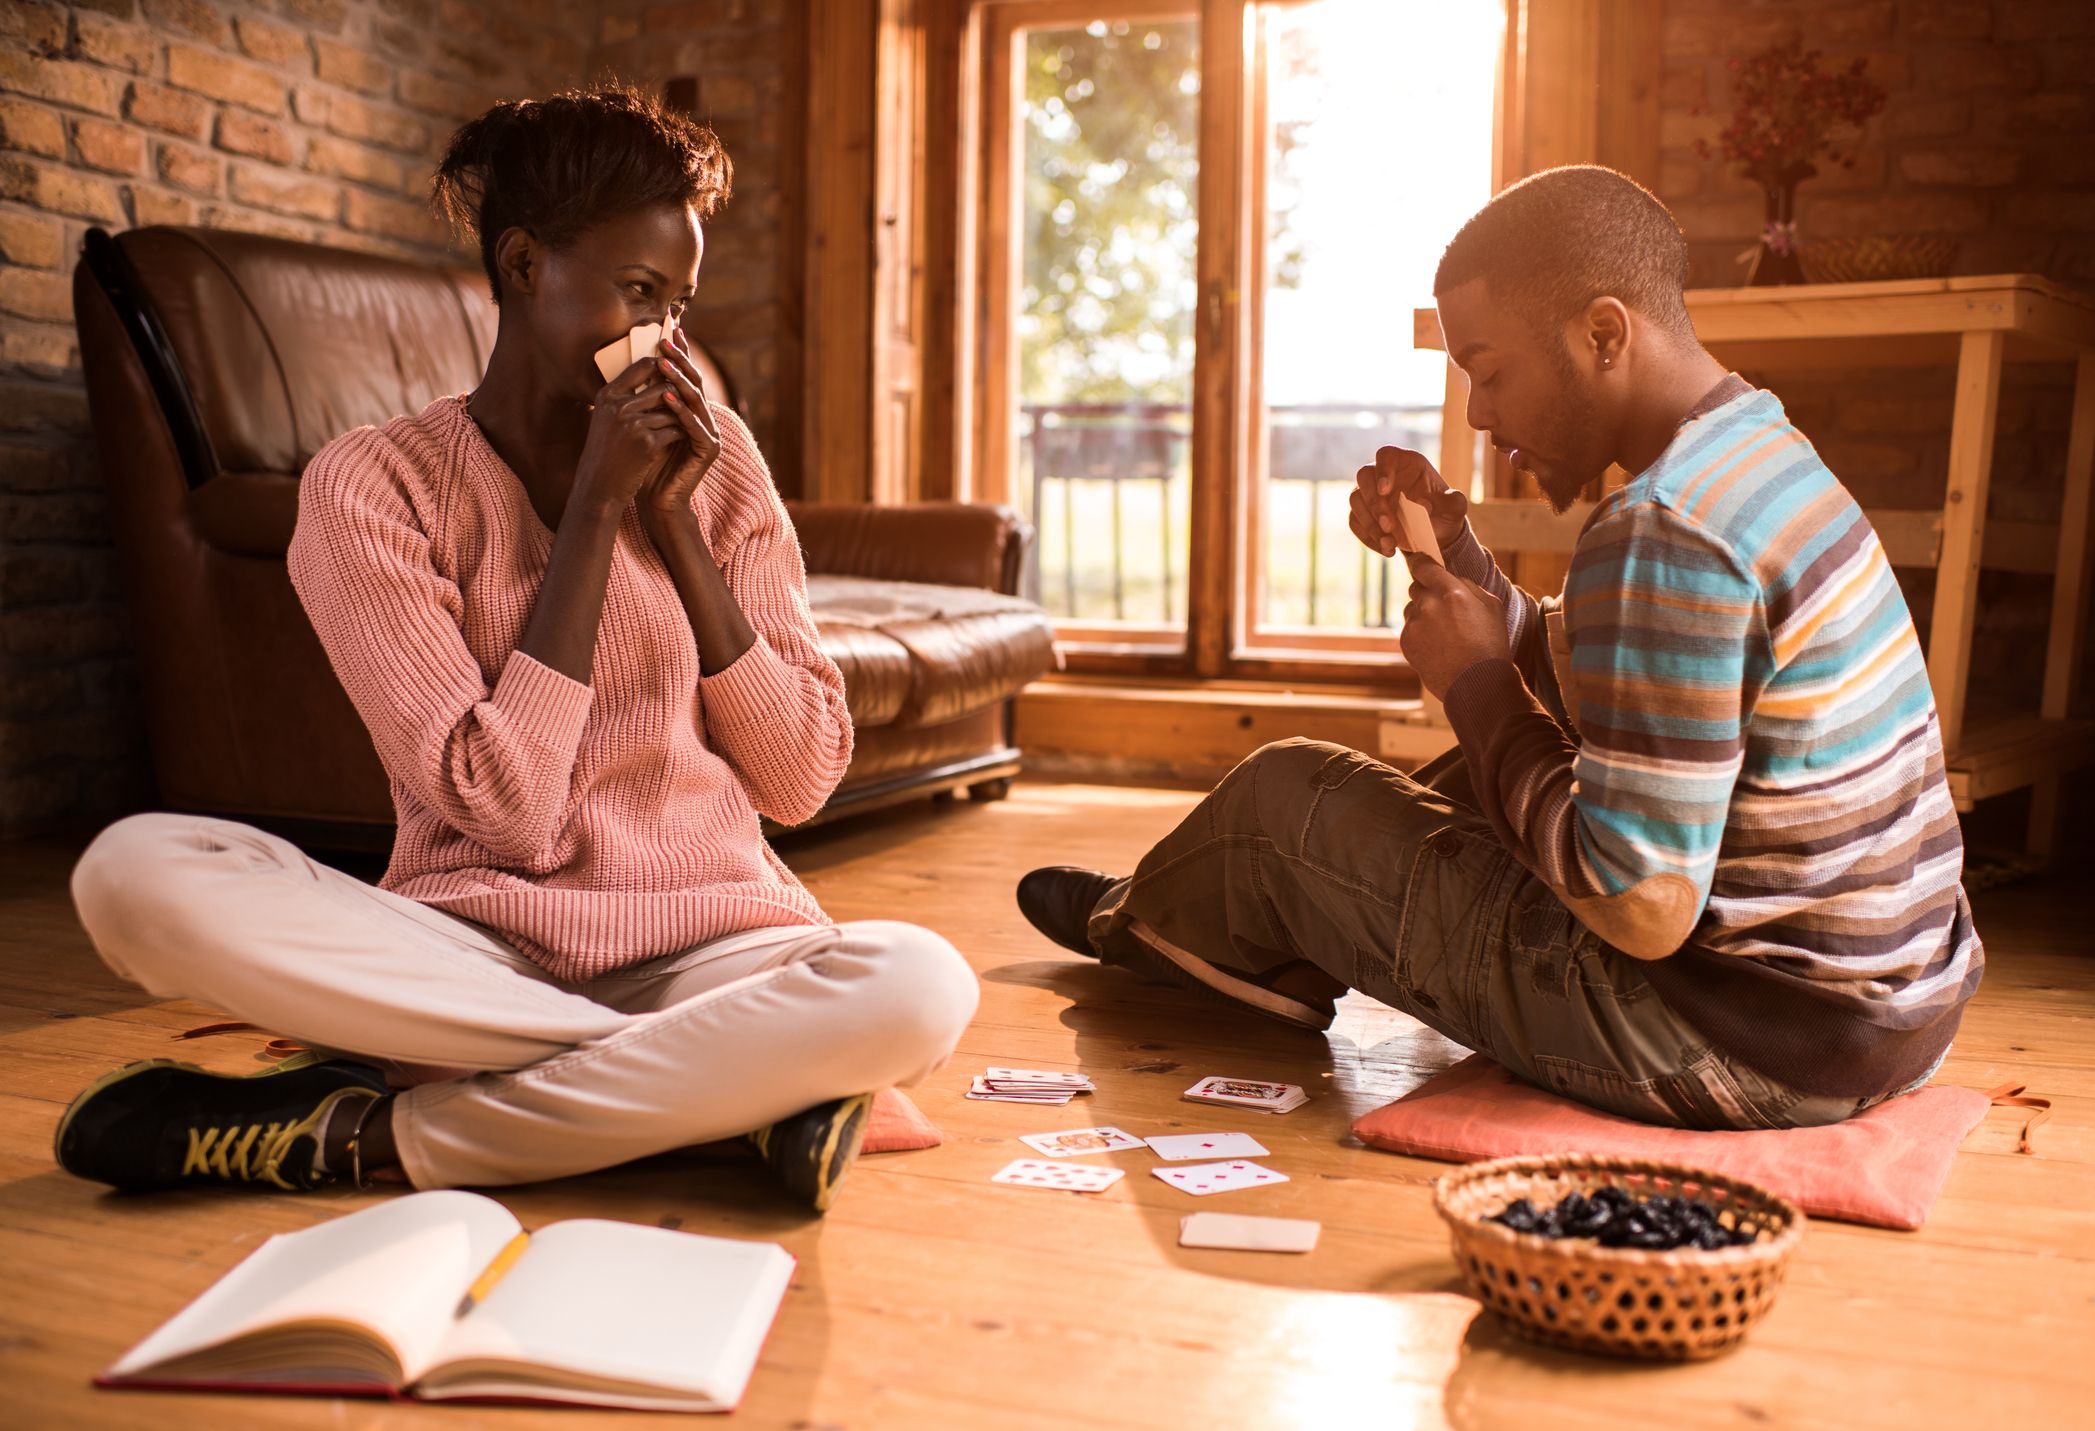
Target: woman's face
636	267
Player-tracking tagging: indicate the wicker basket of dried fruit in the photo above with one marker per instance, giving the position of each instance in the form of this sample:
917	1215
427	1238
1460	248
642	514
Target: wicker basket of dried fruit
1619	1255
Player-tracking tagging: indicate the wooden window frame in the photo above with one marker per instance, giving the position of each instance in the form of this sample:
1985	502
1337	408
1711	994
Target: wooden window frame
1225	509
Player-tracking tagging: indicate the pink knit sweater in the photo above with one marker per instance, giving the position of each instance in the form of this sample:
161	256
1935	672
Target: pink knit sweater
592	826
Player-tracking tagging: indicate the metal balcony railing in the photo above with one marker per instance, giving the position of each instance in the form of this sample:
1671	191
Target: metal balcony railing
1318	446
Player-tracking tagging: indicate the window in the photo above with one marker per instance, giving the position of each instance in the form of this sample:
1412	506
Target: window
1195	270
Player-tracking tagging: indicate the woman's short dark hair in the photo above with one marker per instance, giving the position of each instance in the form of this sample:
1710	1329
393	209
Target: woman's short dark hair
558	166
1552	243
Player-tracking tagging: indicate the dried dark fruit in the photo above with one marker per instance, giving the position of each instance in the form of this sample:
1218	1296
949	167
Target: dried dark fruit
1613	1218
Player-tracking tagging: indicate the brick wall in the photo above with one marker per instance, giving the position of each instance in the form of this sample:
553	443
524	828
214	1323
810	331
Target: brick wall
312	119
1988	136
742	60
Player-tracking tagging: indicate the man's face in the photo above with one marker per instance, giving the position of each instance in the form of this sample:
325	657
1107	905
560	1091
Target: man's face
1527	393
637	267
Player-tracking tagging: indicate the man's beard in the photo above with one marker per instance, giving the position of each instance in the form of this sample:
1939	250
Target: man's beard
1560	490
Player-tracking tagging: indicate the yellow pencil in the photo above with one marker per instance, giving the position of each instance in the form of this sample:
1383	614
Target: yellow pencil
485	1282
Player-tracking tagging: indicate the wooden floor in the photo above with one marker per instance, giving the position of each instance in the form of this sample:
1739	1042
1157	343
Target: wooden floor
932	1298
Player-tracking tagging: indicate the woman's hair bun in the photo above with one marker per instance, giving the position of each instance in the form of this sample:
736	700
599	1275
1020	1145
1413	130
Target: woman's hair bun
557	166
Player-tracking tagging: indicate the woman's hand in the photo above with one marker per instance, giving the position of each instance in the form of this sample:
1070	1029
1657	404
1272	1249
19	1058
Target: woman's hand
632	437
1399	470
669	494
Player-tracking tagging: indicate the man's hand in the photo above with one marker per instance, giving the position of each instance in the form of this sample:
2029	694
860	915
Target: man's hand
1373	514
1449	625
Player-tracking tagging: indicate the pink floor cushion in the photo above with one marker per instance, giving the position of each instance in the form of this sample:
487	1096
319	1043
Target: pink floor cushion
899	1125
1885	1167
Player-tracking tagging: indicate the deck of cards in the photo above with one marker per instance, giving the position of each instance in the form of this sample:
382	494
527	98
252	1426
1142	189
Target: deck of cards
1028	1085
614	358
1248	1093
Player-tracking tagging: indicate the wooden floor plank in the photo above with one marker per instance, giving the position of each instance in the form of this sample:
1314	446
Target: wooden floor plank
932	1298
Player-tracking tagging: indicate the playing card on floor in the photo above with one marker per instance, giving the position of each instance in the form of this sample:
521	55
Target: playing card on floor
1248	1093
1245	1233
1069	1177
1076	1142
1204	1179
1184	1147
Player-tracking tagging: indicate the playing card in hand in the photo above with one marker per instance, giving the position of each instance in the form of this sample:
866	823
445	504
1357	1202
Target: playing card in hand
1206	1179
614	358
1068	1177
1415	529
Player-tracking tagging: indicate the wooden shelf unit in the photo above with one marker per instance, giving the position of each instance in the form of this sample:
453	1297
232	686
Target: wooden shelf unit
1977	324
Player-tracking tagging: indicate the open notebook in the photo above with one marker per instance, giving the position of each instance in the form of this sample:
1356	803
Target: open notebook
602	1313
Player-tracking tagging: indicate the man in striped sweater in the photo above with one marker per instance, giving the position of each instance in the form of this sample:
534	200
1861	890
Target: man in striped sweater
1695	860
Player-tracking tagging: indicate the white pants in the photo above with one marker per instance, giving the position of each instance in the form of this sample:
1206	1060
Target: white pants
532	1078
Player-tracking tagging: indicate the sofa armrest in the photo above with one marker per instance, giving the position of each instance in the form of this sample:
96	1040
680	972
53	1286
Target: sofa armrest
941	543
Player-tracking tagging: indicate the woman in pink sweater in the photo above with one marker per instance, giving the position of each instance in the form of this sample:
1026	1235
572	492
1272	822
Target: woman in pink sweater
574	618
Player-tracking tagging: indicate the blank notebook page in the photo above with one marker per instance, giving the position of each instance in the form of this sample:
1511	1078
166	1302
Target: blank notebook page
613	1299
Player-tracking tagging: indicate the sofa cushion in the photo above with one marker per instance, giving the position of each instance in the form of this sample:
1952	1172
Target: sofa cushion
968	647
876	670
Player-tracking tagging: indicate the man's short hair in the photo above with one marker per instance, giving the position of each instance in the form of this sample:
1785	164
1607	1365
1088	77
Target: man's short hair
1552	243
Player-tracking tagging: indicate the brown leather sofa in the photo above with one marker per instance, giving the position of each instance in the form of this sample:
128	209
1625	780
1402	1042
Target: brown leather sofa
217	363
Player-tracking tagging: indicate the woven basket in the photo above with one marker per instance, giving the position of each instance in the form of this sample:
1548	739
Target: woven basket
1681	1305
1865	260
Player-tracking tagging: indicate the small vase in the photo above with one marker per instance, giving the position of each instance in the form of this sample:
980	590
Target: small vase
1775	262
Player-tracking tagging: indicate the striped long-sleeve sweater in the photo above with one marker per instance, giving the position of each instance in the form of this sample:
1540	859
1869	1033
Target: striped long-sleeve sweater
591	825
1720	749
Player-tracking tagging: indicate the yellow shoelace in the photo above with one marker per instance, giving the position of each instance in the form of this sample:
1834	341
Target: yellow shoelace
248	1152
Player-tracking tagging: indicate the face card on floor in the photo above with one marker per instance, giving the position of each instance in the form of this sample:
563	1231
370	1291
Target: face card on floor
1203	1179
1244	1233
1078	1141
1184	1147
1241	1090
1069	1177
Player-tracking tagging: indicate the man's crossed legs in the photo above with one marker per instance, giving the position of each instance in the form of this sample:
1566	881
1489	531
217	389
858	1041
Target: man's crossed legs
1313	869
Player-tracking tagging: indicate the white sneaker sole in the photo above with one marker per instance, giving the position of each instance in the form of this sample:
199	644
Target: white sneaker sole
1198	972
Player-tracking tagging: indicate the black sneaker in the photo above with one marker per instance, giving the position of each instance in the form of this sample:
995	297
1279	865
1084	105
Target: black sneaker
811	1151
163	1124
1058	900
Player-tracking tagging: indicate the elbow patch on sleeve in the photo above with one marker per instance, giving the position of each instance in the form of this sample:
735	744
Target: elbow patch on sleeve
1649	920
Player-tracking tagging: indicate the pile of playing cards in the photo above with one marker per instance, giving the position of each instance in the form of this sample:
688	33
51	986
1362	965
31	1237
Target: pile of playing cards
1028	1085
614	358
1247	1093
